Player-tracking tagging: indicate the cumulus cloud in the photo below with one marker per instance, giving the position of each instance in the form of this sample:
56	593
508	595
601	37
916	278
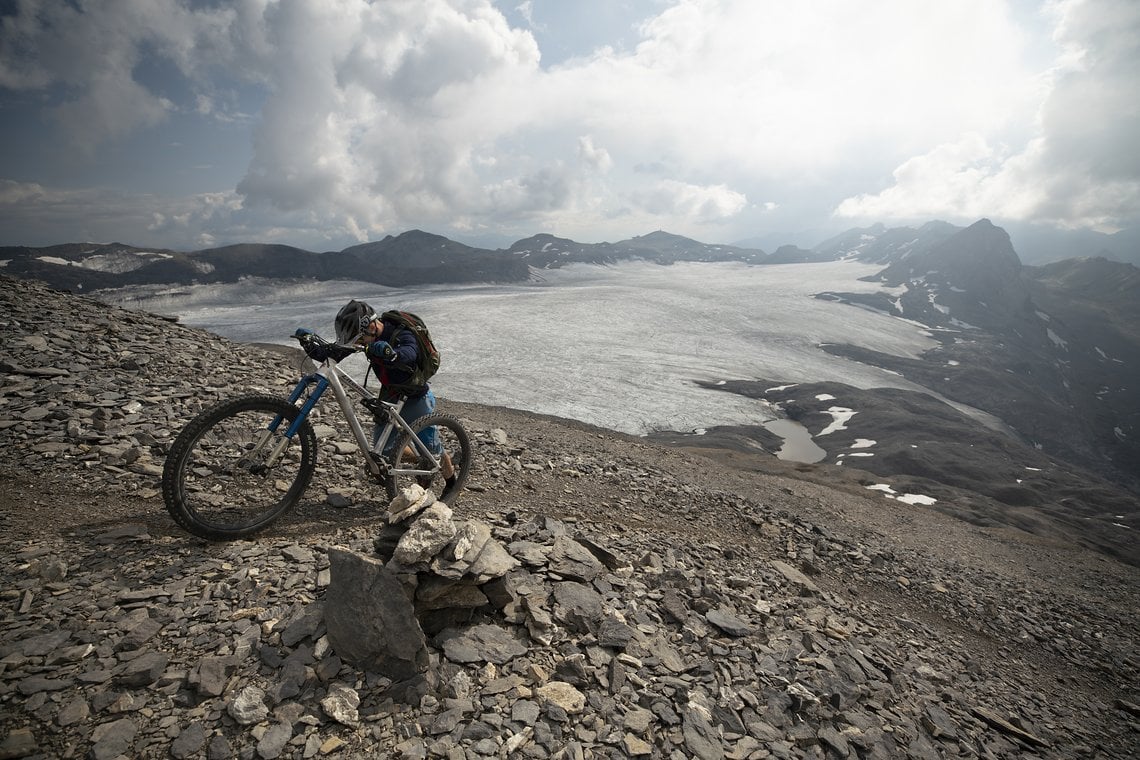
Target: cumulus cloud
91	52
670	198
958	177
179	223
387	112
374	117
1081	168
465	122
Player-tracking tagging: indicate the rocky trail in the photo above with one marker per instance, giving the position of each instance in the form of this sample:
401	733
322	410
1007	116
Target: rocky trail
661	603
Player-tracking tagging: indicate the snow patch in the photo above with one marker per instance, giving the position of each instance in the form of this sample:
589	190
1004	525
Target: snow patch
906	498
840	417
55	260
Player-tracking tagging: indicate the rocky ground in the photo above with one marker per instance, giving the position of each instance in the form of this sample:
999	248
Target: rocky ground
747	608
926	447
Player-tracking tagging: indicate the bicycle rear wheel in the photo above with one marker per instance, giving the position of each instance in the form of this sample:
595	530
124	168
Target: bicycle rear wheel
456	445
218	482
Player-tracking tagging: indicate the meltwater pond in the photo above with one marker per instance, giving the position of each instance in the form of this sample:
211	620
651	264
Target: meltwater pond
616	346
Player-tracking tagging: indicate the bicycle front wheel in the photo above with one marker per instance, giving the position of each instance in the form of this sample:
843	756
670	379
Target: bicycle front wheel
227	476
457	454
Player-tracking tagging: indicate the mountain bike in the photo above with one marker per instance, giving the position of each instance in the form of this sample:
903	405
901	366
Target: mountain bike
240	464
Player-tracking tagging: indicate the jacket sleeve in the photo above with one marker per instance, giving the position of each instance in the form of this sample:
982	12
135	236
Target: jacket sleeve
406	348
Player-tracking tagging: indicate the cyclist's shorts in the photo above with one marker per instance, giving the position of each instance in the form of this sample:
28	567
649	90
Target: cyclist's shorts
413	410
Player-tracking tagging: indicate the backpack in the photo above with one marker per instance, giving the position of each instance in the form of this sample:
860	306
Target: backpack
427	361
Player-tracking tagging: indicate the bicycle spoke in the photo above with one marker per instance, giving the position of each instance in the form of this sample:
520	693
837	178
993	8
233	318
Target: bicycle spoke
220	484
446	479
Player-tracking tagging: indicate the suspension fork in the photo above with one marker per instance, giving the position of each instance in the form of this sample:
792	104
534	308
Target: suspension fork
321	383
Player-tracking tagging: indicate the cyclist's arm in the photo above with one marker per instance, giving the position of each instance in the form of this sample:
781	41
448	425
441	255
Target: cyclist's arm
406	348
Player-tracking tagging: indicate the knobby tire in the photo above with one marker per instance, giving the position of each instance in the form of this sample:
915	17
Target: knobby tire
210	495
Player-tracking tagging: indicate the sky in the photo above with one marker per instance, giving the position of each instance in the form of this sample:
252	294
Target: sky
189	124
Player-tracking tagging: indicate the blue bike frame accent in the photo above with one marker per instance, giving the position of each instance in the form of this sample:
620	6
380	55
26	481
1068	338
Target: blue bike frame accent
322	384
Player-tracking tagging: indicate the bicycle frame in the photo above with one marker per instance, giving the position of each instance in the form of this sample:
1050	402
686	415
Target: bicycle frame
330	375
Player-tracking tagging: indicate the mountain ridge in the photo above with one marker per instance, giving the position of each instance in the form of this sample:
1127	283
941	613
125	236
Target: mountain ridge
416	257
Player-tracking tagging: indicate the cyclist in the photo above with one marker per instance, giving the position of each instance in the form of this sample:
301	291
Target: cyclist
392	353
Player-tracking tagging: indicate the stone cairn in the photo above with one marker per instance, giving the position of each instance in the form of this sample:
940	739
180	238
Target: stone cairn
433	574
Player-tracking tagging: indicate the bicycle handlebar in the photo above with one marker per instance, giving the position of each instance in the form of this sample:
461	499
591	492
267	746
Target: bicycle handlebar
319	350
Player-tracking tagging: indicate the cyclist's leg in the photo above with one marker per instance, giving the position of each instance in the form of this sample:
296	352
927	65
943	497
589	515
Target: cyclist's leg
430	437
413	410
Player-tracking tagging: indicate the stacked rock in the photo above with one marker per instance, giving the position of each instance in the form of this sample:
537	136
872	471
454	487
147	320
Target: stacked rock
434	572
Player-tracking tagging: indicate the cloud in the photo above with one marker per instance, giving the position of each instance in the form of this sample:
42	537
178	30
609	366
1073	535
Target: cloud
670	198
387	111
727	99
162	222
957	178
1081	168
88	55
715	117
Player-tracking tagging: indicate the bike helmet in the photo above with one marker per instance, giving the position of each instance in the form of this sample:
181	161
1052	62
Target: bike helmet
351	320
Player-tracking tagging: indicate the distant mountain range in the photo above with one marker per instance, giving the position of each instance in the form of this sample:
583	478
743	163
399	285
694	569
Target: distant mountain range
411	258
417	257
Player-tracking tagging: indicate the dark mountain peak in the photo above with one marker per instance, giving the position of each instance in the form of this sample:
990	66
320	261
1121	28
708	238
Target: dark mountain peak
974	256
983	246
251	250
1113	285
973	275
666	247
416	256
413	244
419	236
660	239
